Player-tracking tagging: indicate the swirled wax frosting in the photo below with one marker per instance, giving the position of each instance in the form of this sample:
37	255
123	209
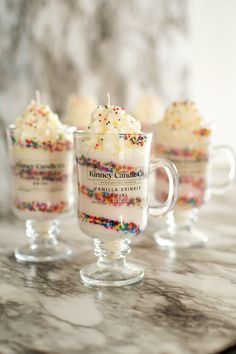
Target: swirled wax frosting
79	110
40	124
148	110
182	126
182	114
112	158
113	119
112	132
41	153
184	137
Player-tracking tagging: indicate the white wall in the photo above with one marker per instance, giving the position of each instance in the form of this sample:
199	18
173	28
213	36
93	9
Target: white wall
213	43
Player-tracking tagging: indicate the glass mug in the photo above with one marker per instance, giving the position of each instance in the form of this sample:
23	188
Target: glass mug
42	176
196	186
112	171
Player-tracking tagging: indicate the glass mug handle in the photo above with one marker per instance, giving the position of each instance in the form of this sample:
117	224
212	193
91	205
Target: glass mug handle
220	188
173	193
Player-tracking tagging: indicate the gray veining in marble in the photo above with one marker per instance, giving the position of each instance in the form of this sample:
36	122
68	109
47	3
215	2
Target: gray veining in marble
186	304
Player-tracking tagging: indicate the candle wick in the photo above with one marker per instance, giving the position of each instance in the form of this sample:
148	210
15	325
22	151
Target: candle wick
37	94
108	99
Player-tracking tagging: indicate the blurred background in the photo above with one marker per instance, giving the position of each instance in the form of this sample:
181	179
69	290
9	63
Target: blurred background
129	47
145	53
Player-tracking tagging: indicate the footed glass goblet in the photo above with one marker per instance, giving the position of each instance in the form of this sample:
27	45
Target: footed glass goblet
112	172
42	177
197	184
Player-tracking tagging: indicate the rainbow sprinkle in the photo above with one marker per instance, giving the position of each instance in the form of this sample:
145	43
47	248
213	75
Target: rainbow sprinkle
127	228
42	207
104	166
199	182
110	198
134	139
131	139
59	145
202	132
185	153
185	198
191	202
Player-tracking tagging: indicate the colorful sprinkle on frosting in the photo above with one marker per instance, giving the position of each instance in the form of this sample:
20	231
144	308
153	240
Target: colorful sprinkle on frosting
202	132
135	139
182	115
183	128
40	128
113	119
41	207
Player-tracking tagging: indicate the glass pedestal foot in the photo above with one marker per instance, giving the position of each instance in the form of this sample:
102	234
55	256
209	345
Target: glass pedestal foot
111	269
180	237
42	253
95	275
43	245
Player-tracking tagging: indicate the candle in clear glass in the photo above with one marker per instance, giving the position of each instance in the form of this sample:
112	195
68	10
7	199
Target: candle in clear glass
186	140
42	184
112	200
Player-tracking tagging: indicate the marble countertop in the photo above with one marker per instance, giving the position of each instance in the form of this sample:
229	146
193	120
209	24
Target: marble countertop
186	304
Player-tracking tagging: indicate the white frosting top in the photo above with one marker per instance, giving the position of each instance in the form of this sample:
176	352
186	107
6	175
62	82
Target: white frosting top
182	115
39	122
114	135
78	111
113	119
182	126
148	110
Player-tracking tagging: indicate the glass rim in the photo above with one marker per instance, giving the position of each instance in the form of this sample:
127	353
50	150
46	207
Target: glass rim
78	133
212	126
69	128
207	124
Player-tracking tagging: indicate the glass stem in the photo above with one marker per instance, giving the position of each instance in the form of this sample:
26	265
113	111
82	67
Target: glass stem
183	219
111	253
42	233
